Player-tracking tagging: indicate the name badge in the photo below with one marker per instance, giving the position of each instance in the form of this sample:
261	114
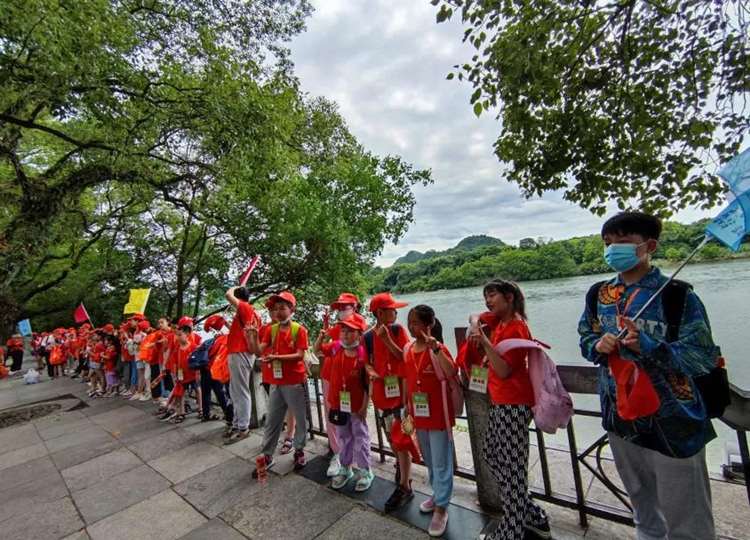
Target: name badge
180	374
345	401
421	405
478	379
278	372
392	387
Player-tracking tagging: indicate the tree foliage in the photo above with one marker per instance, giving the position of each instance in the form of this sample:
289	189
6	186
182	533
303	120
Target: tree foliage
632	101
161	144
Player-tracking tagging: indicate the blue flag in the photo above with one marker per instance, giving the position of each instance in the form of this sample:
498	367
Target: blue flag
24	327
733	223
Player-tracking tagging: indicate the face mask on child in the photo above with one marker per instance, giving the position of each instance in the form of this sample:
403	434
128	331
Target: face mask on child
622	257
345	313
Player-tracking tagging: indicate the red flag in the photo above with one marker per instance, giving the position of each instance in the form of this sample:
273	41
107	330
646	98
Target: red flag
246	274
80	315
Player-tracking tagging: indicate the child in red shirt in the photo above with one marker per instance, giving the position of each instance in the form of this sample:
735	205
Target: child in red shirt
108	358
283	351
347	401
427	412
506	444
184	376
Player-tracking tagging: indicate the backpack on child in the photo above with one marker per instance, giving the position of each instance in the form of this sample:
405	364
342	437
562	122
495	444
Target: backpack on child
553	406
713	386
199	357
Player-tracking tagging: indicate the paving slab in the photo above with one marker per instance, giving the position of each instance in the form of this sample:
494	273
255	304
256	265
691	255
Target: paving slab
216	489
68	457
15	437
258	516
22	455
162	444
24	498
57	418
248	448
149	429
79	535
359	524
89	435
54	519
203	428
64	427
100	468
20	474
164	516
189	461
121	418
214	529
118	492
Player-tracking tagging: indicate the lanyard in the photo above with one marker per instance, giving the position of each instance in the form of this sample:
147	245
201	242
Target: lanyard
422	365
346	372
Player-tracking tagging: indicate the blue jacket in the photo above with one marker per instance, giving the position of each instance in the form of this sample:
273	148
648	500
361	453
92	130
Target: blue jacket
680	428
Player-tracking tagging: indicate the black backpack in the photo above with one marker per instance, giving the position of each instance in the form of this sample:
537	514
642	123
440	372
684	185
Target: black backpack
714	385
199	357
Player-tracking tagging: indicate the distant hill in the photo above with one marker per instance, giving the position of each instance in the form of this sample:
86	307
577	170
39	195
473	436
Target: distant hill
467	244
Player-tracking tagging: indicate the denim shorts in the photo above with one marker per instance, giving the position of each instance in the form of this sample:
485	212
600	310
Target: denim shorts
140	365
95	365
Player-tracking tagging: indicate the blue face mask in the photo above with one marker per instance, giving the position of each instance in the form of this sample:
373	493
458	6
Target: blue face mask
622	257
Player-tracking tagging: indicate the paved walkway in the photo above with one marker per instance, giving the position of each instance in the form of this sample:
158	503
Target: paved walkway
111	470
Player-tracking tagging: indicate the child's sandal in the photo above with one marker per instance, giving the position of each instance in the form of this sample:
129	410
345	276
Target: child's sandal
178	419
287	447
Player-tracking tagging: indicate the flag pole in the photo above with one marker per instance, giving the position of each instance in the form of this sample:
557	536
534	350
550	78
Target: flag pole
706	240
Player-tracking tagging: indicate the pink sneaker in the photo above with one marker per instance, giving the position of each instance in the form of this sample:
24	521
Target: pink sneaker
438	524
427	506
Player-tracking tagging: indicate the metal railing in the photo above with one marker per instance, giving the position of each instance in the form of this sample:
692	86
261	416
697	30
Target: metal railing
581	380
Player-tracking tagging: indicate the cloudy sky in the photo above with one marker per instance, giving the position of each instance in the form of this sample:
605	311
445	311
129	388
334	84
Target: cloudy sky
385	62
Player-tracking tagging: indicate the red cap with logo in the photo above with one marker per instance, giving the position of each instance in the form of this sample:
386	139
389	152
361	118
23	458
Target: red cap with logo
385	301
144	325
285	296
185	321
214	322
345	299
354	321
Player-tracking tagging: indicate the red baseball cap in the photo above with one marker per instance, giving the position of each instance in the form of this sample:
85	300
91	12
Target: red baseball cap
385	301
214	322
144	325
345	299
185	321
109	328
138	316
354	321
285	296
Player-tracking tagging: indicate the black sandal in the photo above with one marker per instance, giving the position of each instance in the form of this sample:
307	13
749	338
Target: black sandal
178	419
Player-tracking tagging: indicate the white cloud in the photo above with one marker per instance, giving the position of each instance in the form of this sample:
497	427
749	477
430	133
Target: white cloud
385	63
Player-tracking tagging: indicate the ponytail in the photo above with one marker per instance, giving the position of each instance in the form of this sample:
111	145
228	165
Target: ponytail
509	287
426	316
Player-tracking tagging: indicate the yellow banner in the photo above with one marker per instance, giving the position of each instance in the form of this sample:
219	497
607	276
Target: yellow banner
137	302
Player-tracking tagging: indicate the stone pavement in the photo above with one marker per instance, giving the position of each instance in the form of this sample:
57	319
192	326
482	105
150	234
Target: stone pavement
109	470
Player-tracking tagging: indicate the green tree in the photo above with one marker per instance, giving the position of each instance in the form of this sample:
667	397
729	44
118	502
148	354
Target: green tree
625	101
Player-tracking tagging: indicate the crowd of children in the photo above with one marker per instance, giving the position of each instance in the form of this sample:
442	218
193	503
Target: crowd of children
408	374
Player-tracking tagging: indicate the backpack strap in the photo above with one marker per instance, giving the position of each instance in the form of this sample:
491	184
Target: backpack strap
673	299
369	338
592	300
276	327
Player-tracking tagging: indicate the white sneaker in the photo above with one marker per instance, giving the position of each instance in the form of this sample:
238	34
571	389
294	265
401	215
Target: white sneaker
135	397
333	466
144	397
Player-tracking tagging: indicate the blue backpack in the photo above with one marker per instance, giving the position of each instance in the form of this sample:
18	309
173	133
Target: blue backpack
199	357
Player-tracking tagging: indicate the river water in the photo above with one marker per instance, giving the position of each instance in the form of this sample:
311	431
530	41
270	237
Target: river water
554	307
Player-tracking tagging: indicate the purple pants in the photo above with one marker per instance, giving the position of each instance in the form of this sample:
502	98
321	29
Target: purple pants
354	443
111	378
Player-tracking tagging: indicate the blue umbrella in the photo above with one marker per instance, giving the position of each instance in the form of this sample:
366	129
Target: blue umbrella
732	224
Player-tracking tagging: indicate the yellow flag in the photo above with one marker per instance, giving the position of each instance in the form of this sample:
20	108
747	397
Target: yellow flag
137	302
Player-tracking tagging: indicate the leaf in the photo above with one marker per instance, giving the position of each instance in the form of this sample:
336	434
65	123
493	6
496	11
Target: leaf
478	108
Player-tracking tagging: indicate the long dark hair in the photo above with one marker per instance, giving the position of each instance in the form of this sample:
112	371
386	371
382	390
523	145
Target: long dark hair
426	316
508	287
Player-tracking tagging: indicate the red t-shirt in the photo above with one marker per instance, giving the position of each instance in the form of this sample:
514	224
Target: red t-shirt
97	351
14	344
183	355
236	341
516	389
147	349
174	348
109	359
293	372
386	363
346	373
421	377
